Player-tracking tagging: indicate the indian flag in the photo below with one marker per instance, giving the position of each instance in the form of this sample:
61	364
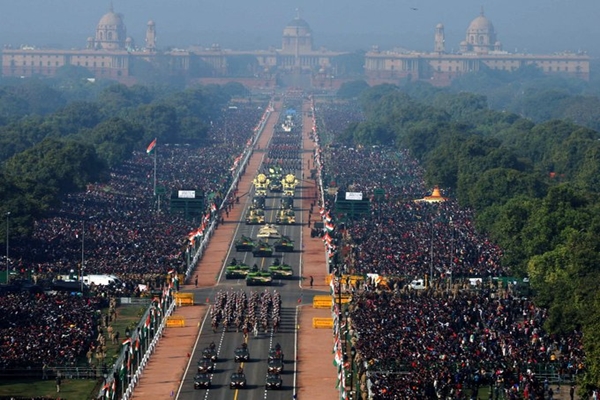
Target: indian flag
329	226
151	146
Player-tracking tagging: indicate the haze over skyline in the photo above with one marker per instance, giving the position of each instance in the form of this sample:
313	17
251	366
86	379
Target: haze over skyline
534	26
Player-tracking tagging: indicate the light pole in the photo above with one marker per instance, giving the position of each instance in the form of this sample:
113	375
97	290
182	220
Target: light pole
7	259
82	253
431	256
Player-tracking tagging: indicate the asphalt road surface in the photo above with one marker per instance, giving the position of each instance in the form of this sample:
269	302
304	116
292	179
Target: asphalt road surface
226	341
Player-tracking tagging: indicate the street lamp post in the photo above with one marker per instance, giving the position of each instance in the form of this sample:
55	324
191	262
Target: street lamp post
7	233
352	355
431	256
82	252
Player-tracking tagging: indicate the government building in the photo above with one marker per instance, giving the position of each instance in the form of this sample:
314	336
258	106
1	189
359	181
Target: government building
480	50
111	54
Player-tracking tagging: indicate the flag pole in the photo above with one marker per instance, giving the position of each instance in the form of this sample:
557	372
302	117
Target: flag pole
155	171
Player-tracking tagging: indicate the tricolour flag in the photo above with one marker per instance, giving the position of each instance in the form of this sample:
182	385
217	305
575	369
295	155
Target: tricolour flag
329	226
151	146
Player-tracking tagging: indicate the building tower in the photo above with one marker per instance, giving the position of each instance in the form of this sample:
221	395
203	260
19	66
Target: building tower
111	32
151	37
481	36
439	45
297	37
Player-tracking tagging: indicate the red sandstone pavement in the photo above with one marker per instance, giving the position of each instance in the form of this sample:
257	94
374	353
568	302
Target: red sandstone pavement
317	376
316	373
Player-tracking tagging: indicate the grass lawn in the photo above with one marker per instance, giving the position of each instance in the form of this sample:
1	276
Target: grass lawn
70	389
127	316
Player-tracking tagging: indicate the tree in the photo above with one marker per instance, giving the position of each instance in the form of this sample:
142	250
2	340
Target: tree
352	89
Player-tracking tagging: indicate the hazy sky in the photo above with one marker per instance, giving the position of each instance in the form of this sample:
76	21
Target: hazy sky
535	26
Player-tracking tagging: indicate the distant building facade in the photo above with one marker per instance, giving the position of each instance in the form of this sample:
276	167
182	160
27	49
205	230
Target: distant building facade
111	54
478	51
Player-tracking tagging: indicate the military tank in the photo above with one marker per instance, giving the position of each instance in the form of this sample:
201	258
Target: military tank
285	217
255	217
258	277
244	243
262	249
284	245
236	270
279	270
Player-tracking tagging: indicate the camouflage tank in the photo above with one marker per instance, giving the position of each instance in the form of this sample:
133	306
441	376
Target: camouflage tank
284	245
236	270
262	249
285	217
279	270
244	244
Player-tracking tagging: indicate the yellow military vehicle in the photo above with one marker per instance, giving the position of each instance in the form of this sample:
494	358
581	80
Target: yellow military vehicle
261	183
289	185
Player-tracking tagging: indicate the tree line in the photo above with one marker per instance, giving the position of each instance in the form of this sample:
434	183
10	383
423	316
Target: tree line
534	187
52	143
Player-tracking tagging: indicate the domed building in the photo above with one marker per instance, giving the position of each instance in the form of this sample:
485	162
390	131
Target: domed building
297	37
480	50
481	36
111	33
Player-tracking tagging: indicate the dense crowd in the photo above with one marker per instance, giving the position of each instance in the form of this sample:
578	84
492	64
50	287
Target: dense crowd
46	329
444	343
117	222
438	342
116	227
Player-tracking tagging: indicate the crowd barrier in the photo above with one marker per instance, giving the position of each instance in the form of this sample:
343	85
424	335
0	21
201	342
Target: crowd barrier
184	299
323	323
175	321
322	301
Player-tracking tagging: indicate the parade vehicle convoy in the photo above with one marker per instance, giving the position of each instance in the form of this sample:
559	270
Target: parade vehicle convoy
210	353
236	270
255	217
279	270
261	183
268	231
262	249
285	217
245	244
257	277
202	381
284	245
273	381
241	353
275	366
237	380
206	365
275	353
